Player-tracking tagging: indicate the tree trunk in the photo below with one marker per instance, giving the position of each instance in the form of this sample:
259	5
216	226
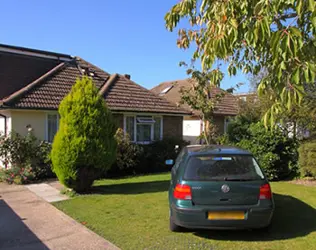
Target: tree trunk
206	128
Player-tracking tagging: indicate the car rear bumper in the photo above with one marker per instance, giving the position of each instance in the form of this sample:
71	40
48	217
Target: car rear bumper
255	217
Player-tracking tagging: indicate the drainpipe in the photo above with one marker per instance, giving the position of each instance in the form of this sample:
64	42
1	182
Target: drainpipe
5	124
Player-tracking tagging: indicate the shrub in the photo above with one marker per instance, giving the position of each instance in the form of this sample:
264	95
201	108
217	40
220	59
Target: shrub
21	151
128	156
17	174
307	158
223	140
84	145
275	152
238	129
135	159
158	152
43	166
18	150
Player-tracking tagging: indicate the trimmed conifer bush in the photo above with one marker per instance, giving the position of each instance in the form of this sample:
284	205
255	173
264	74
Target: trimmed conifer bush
84	145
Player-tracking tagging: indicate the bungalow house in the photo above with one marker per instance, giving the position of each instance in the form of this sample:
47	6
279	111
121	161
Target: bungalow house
33	83
192	124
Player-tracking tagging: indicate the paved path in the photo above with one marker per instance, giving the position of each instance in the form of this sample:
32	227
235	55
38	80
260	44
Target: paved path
29	222
47	192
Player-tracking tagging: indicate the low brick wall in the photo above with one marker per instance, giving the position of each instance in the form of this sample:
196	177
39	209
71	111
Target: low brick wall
172	126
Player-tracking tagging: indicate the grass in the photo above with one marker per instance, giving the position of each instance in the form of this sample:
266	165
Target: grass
133	214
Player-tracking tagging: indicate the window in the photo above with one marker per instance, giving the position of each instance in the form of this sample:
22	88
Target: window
143	129
157	129
223	167
130	127
165	91
52	126
143	133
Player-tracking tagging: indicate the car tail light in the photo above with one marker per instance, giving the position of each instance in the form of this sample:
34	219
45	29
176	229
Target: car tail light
265	192
182	192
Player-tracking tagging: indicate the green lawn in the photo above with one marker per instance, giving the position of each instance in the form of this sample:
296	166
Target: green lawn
133	214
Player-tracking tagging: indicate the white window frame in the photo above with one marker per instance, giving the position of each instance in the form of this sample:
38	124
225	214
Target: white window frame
138	117
46	124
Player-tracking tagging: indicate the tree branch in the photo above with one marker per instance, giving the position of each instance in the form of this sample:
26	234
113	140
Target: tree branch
277	19
286	16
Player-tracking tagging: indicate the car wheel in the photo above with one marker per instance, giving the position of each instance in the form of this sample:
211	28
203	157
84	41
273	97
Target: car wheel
173	227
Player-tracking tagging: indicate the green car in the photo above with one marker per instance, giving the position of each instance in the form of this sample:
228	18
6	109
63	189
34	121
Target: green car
218	187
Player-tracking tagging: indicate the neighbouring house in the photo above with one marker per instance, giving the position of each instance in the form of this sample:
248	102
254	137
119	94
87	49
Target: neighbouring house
33	83
192	124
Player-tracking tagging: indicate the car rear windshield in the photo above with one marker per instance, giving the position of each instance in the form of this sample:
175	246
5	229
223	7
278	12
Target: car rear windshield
223	167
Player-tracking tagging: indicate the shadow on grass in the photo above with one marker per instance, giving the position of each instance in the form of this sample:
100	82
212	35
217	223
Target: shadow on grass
132	188
292	218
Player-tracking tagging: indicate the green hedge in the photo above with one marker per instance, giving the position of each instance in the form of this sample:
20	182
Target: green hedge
133	159
275	152
307	158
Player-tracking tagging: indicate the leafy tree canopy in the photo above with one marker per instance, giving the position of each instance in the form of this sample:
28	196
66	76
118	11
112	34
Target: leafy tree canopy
275	35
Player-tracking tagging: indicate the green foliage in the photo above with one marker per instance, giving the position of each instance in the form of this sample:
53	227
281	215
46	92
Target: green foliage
200	98
84	145
69	192
17	174
239	129
223	140
135	159
210	134
275	36
42	165
296	121
18	150
21	151
274	150
158	152
307	158
128	156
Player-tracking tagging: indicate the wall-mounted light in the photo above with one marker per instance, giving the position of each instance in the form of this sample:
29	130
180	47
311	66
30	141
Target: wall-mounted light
29	128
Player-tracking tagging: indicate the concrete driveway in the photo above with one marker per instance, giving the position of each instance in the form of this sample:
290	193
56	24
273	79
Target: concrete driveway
28	222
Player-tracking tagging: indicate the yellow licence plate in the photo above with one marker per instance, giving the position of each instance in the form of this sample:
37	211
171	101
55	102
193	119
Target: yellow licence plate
231	215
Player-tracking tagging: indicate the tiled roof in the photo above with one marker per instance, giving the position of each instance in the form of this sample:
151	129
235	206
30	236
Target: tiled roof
228	104
124	94
48	93
121	94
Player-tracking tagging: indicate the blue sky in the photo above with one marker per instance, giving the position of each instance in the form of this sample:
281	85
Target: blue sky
127	37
